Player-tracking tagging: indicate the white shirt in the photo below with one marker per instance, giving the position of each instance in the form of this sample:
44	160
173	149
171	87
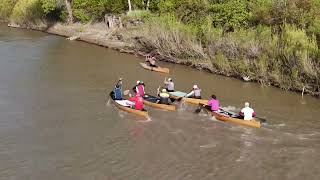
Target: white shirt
170	86
247	113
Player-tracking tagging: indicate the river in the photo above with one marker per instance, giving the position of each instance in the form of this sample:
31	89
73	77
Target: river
56	120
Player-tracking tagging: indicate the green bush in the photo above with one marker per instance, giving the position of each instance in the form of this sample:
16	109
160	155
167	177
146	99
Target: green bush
6	7
27	11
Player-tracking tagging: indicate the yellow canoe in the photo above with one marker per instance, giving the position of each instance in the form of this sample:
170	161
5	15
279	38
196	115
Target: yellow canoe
151	101
225	118
178	95
157	69
119	104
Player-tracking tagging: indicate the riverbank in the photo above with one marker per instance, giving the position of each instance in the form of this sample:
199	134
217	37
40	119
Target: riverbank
139	40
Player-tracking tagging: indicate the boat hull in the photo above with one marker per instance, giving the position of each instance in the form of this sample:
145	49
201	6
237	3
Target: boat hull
150	102
179	96
252	123
157	69
128	109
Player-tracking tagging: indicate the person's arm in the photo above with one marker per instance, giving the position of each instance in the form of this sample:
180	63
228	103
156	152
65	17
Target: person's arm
190	94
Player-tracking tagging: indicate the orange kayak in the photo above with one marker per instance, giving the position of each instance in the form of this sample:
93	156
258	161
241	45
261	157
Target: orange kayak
157	69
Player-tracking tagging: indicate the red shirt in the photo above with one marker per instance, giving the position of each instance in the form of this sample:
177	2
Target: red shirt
138	100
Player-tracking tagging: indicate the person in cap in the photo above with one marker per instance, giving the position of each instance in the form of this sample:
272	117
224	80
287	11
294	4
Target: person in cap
140	89
169	85
195	93
164	97
247	113
135	86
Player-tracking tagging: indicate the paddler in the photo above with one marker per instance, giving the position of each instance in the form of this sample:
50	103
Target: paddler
118	90
169	85
247	113
151	60
135	86
164	97
140	89
213	104
195	93
138	101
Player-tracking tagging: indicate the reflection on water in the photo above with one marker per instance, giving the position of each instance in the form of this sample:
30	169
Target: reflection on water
56	121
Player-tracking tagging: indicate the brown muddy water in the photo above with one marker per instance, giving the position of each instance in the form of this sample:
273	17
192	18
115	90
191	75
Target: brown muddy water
56	121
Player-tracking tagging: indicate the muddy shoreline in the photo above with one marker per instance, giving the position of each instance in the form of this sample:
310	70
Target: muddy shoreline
99	34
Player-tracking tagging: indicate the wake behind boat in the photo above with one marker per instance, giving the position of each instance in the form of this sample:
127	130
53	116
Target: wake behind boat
178	95
157	69
124	105
153	101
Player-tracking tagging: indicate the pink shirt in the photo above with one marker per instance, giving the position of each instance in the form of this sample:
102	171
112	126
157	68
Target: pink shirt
214	104
138	102
140	90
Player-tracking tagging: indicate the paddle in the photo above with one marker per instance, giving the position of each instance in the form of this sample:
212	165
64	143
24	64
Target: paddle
198	110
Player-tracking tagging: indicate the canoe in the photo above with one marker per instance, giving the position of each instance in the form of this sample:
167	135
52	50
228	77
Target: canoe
157	69
178	95
122	104
152	102
226	118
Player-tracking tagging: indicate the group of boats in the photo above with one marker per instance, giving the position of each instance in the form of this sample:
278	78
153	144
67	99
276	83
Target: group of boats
152	101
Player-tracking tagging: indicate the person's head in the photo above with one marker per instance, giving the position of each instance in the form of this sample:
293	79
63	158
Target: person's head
246	104
138	82
117	86
195	87
141	83
213	96
164	90
170	79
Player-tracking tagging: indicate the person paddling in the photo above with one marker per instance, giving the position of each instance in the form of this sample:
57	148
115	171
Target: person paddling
195	93
151	60
138	101
213	104
247	113
118	90
164	97
140	88
169	85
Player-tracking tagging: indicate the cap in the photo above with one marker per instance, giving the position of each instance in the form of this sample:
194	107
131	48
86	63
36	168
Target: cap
169	79
195	87
164	90
246	104
138	82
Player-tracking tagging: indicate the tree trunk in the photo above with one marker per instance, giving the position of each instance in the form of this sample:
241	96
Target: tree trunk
148	3
69	9
129	3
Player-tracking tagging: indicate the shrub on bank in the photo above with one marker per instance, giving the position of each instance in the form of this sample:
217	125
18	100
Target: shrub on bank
6	7
27	11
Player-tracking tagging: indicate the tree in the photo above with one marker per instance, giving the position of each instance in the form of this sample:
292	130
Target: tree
129	3
69	9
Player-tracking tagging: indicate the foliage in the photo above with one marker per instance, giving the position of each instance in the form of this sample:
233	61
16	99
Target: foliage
26	11
6	7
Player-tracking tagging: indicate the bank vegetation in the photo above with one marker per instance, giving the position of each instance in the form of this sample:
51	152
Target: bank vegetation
273	42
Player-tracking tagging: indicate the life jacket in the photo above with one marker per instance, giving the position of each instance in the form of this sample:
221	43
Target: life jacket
117	93
197	93
170	86
164	98
140	90
138	100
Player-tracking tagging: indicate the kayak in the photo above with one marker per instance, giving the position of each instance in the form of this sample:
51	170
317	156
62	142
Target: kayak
124	105
152	102
157	69
226	118
178	95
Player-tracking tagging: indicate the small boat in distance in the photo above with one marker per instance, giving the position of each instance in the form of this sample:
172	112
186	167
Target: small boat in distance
157	69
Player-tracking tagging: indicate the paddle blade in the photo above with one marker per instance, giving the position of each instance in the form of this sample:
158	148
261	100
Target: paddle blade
198	110
126	92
